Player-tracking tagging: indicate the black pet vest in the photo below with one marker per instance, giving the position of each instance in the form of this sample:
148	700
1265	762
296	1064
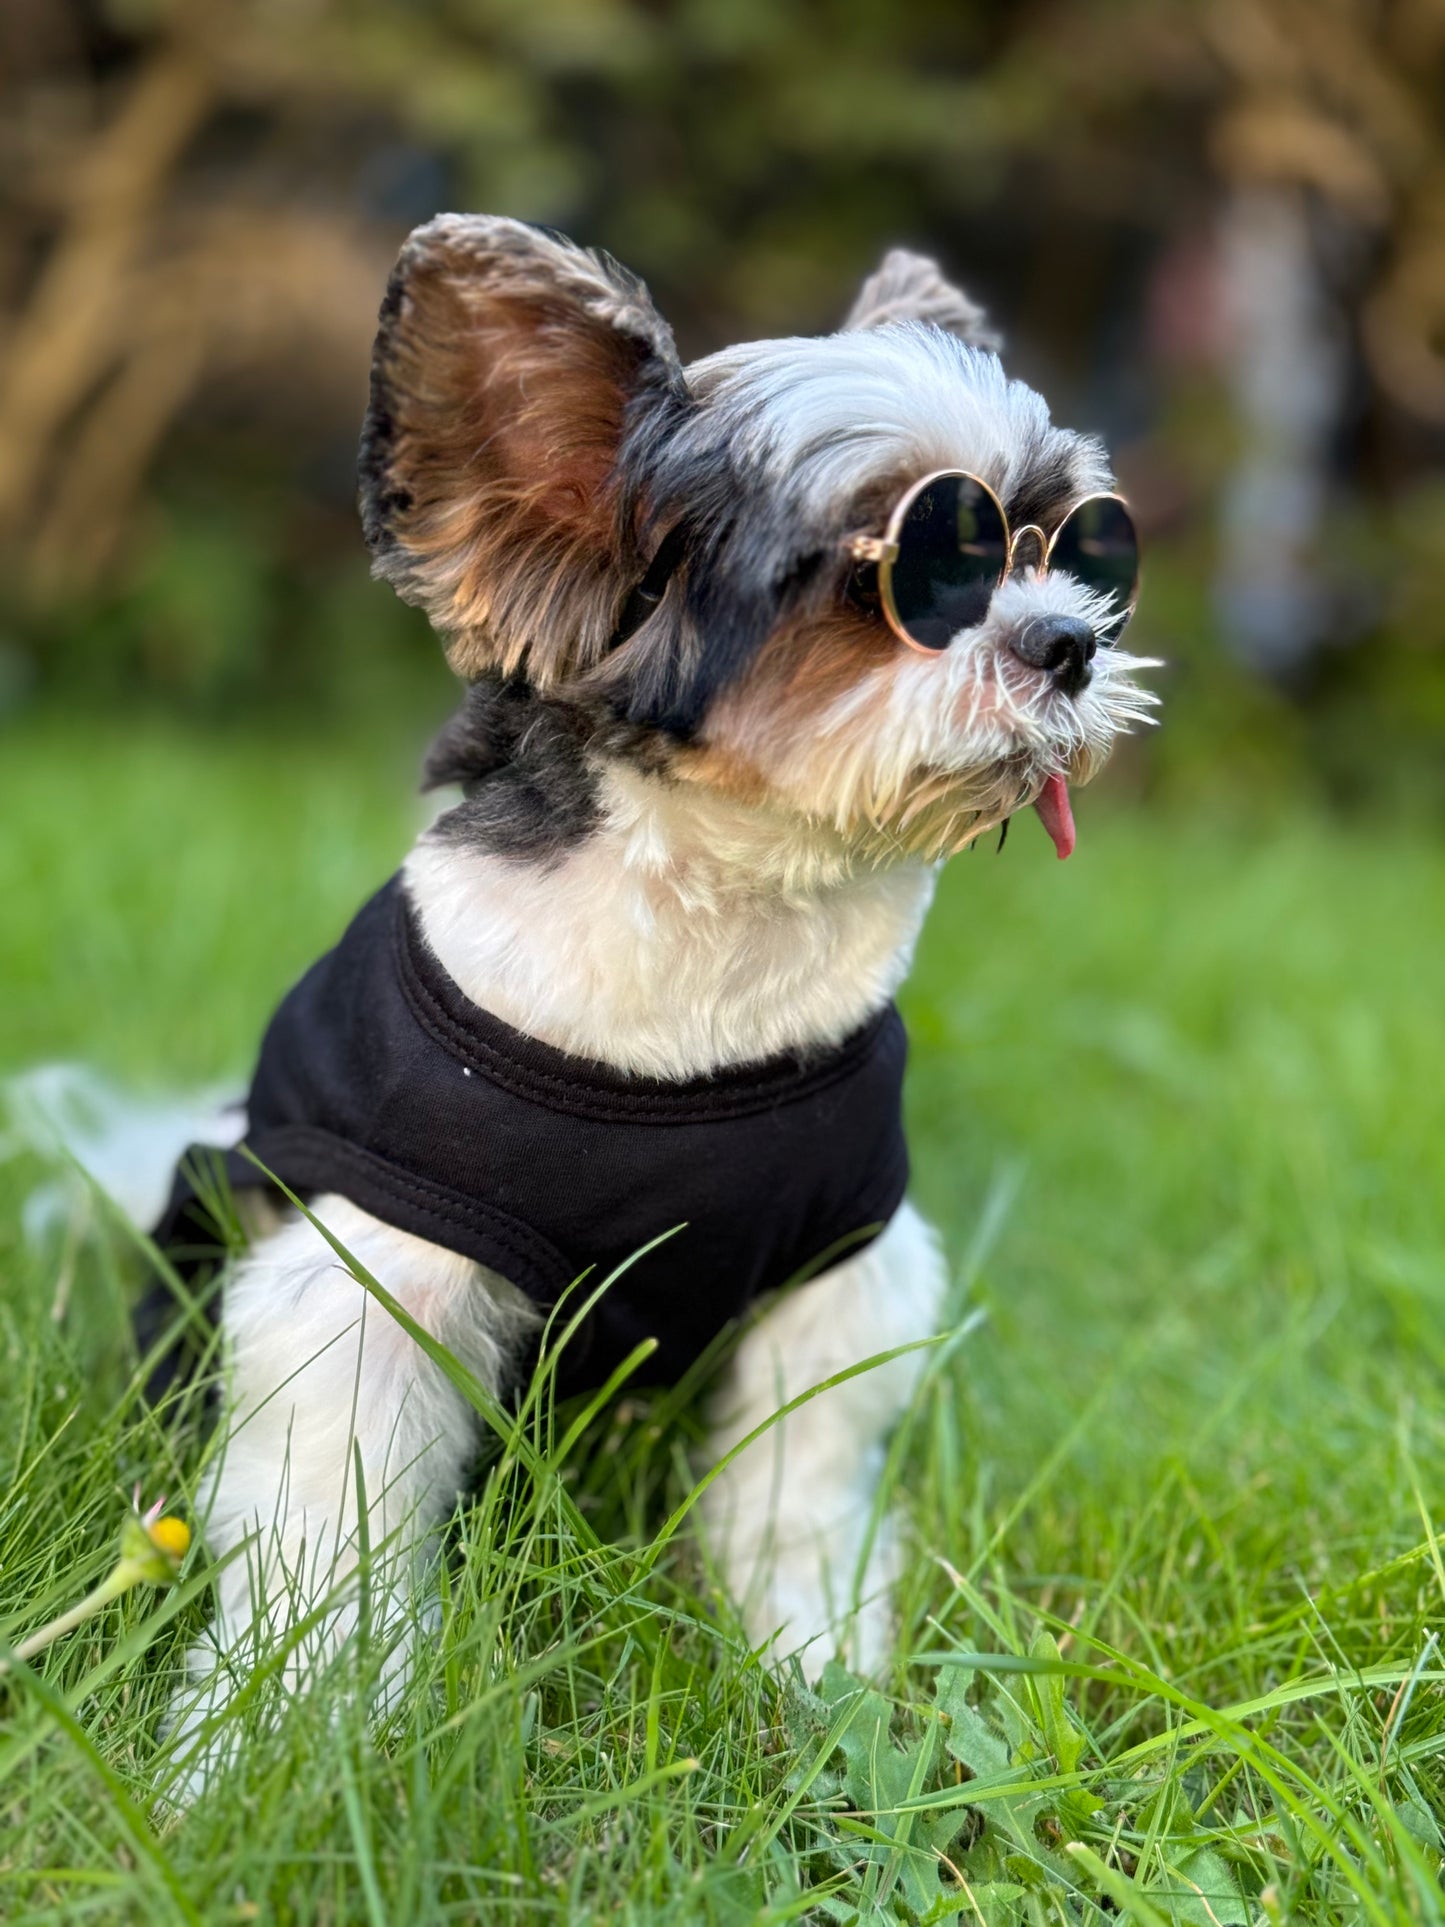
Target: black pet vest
379	1080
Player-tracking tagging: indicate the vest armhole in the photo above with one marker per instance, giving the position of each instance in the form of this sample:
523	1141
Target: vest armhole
309	1159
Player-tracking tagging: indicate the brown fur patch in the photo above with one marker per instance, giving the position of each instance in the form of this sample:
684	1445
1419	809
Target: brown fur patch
770	719
812	662
801	670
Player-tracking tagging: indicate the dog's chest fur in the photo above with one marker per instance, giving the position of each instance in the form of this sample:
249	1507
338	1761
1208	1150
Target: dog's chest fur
680	934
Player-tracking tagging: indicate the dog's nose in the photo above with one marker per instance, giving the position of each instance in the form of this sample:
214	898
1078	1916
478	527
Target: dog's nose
1063	645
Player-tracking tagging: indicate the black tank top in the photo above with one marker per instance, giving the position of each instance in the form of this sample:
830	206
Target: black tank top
379	1080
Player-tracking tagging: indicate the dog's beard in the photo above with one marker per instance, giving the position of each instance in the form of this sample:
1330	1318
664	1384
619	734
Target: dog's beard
934	776
946	813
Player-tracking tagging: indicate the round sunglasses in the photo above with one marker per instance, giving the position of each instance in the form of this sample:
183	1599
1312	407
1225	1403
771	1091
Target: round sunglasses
948	547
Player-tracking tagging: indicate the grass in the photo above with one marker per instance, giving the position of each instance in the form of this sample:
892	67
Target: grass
1179	1108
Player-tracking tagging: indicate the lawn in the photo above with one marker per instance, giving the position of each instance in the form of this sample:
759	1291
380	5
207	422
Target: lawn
1179	1109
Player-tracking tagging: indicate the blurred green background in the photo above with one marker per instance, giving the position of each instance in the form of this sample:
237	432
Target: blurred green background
1213	230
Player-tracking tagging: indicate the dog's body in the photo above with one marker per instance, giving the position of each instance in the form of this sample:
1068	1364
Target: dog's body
705	799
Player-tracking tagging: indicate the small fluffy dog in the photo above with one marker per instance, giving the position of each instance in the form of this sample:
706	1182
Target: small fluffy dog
749	648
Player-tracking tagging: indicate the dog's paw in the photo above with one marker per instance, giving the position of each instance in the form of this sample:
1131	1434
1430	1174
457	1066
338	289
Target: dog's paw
807	1598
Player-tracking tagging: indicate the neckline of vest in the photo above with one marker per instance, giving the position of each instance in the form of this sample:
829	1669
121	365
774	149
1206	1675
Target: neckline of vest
582	1086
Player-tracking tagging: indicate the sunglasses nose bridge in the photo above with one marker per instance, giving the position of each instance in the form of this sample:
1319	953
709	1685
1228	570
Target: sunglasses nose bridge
1028	551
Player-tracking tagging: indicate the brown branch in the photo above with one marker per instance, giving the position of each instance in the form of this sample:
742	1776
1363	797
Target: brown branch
246	293
60	345
87	514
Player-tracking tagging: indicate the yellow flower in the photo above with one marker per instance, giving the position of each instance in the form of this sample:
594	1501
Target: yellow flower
151	1551
173	1536
152	1547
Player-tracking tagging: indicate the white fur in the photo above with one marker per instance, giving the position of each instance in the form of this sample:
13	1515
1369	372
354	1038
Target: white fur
790	1518
318	1371
822	416
697	932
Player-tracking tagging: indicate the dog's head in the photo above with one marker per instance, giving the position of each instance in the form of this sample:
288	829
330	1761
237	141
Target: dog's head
662	562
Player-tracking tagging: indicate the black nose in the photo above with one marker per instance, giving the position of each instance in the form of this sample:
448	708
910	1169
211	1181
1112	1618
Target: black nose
1064	645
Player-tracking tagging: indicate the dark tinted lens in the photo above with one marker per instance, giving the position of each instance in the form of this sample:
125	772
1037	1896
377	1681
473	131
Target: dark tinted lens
1098	546
951	553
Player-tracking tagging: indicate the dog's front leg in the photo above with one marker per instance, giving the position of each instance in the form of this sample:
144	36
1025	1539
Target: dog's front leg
790	1518
319	1375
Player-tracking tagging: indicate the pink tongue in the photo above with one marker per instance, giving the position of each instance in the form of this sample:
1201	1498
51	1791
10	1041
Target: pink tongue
1052	804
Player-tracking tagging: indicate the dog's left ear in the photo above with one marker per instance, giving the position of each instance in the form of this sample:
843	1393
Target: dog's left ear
509	365
910	287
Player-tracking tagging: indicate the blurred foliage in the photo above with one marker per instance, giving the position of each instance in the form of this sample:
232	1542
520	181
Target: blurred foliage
200	199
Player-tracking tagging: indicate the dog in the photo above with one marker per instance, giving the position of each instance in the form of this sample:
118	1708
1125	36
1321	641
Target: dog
750	648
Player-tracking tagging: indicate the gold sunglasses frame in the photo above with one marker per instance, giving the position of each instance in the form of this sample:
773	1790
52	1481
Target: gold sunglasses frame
883	550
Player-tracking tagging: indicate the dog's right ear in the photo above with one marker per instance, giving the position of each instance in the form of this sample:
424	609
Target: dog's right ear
910	287
509	365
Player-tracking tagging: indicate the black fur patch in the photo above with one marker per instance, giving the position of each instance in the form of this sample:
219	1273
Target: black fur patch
521	760
747	560
1050	482
527	767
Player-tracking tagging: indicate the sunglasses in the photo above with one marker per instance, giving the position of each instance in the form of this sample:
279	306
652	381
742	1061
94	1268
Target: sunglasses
948	547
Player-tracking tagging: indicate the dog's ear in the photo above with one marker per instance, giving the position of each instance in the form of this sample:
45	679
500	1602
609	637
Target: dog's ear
910	287
509	365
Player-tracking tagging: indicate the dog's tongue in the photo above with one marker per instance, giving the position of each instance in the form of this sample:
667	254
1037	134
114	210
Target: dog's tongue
1056	814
